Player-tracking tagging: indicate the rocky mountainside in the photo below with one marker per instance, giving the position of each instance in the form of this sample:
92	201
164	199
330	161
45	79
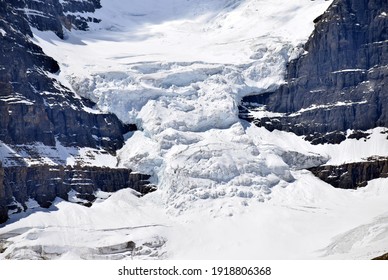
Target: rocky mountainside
179	70
339	82
35	107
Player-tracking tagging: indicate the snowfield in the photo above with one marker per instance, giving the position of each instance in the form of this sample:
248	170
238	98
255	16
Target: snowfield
226	189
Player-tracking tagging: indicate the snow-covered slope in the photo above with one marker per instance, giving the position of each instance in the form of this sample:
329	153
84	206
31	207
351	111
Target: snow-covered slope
178	69
306	220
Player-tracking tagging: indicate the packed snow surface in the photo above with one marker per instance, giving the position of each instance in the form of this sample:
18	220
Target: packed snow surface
226	189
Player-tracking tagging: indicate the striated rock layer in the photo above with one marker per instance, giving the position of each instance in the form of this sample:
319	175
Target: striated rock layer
44	183
352	175
339	82
35	107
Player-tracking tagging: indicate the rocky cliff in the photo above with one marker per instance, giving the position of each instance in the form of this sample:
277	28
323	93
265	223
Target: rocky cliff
54	15
340	81
352	175
34	106
3	203
44	183
36	109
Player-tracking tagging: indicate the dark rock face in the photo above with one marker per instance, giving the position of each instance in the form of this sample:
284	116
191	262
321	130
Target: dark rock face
382	257
340	82
44	183
77	21
352	175
36	108
41	14
52	15
3	207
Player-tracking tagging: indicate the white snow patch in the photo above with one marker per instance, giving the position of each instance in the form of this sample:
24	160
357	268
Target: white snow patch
72	197
326	106
348	70
350	150
69	230
32	204
40	154
299	222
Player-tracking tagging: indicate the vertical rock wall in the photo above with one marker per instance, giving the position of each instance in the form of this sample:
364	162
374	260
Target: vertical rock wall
36	108
44	183
3	208
340	82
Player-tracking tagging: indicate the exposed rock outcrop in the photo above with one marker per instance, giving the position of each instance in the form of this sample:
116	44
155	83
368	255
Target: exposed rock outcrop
3	203
52	15
44	183
36	108
340	82
382	257
352	175
76	20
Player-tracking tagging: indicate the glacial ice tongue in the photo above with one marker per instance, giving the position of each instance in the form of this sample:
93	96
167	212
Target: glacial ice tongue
184	98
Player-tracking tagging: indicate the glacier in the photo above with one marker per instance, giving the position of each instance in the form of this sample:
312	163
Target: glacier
226	189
